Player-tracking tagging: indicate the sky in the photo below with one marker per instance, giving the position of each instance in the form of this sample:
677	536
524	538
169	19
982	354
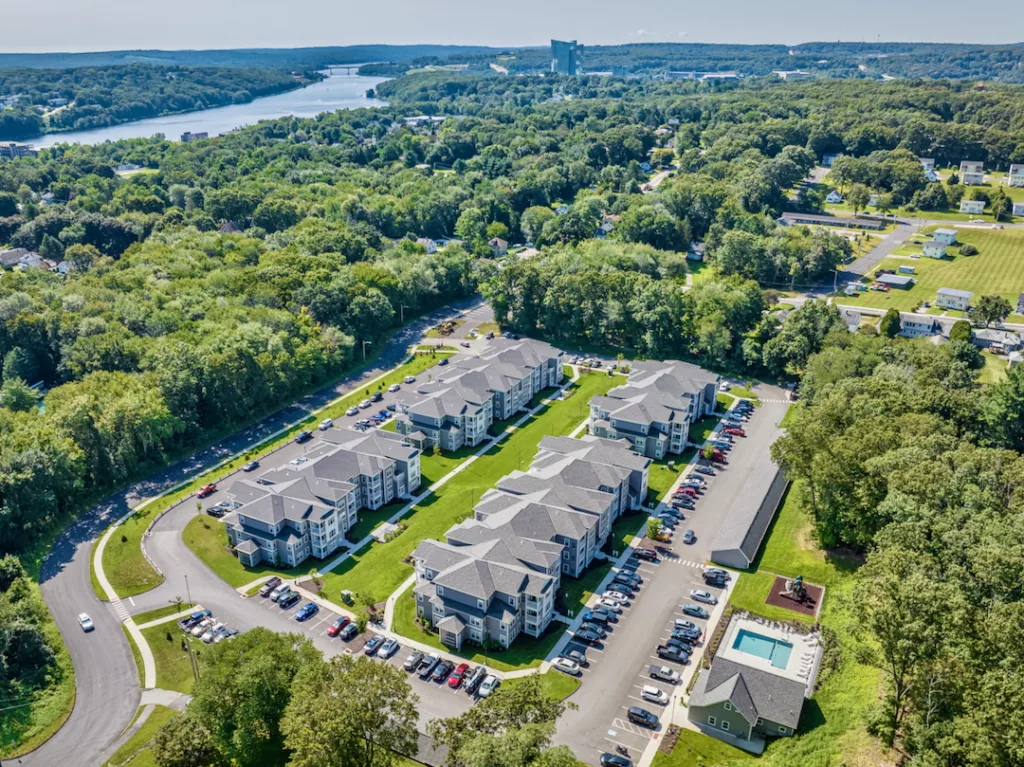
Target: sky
74	25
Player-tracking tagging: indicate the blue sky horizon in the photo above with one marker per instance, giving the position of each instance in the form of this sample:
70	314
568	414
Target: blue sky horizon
73	26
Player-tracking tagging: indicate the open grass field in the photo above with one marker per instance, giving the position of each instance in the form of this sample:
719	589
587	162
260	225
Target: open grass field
994	370
173	670
996	270
130	751
553	683
833	726
123	562
380	568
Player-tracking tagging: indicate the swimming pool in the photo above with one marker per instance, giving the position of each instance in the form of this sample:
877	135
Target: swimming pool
763	647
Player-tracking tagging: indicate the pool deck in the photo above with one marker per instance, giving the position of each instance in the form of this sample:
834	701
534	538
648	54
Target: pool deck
803	661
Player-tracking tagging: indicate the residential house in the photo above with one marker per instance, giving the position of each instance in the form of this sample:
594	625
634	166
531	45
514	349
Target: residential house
918	325
561	210
127	167
655	408
498	246
972	173
1015	176
931	176
898	281
851	319
951	298
427	243
305	508
20	258
1017	208
974	207
645	167
873	200
833	198
927	163
747	694
455	404
934	250
996	340
947	236
604	229
1013	359
1020	304
695	252
828	159
189	136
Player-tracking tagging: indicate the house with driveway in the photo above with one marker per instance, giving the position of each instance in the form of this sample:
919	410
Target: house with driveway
972	173
655	408
305	507
973	207
951	298
497	574
934	250
455	404
1000	341
760	676
1015	176
945	236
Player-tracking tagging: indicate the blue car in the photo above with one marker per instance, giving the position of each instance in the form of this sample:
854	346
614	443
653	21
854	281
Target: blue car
307	611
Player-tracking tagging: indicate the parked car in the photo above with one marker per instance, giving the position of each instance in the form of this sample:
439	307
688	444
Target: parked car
464	344
652	694
442	362
689	491
374	644
225	634
682	623
602	614
667	520
717	571
269	586
683	647
587	636
409	379
566	666
675	513
474	679
376	397
289	599
459	675
348	632
207	490
705	470
642	716
413	661
389	648
441	672
427	665
685	636
211	632
594	627
365	404
85	622
394	387
307	611
703	596
251	466
614	760
663	536
279	592
488	685
735	431
200	628
622	588
302	437
673	653
339	623
352	411
615	596
188	621
695	610
664	673
219	510
609	604
649	554
325	424
714	580
689	537
624	576
578	657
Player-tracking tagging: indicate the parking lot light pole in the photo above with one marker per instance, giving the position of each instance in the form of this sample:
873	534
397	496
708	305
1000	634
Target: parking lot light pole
187	591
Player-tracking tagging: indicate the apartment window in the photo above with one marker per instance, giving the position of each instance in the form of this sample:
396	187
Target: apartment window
565	553
712	721
503	626
480	603
440	591
782	729
512	601
725	725
728	706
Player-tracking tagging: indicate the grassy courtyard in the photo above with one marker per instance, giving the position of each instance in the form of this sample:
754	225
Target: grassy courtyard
553	683
380	568
134	748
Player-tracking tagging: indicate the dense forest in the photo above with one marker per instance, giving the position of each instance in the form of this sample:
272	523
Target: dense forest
48	101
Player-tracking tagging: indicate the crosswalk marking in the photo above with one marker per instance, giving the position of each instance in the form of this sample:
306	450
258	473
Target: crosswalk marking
120	610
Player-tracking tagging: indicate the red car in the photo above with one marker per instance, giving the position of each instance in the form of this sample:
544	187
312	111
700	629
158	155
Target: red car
458	675
691	491
335	628
734	432
206	490
649	554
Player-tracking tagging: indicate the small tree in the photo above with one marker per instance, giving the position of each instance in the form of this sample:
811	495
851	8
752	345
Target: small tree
890	325
858	197
961	331
992	309
709	451
653	528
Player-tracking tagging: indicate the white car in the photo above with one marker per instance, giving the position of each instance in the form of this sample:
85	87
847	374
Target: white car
489	685
654	695
352	411
409	379
615	596
394	387
325	424
724	386
703	596
199	630
211	632
298	461
85	622
389	648
566	666
365	404
609	604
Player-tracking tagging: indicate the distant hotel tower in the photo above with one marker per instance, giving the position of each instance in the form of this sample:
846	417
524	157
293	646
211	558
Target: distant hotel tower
566	57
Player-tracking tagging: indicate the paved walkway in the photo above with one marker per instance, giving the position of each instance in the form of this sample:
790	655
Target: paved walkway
169	618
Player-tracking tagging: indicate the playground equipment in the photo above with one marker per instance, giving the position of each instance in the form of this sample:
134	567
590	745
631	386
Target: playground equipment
795	589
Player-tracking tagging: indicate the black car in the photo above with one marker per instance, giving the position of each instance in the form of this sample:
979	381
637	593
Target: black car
444	668
269	586
614	760
302	437
289	599
251	466
642	716
589	637
348	632
474	679
623	588
714	580
595	628
683	635
649	554
371	647
683	647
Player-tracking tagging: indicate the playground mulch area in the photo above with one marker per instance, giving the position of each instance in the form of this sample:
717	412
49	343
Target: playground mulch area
808	607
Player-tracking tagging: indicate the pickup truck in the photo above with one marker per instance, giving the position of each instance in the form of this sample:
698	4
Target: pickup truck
665	674
673	653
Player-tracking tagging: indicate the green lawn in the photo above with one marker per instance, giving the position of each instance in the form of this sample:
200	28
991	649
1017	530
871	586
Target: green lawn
525	651
123	562
694	749
137	742
553	683
576	591
725	400
624	529
661	474
994	370
994	271
745	393
380	568
790	415
701	430
173	670
161	612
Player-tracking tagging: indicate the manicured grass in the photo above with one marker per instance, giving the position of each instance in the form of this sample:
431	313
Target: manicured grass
553	683
157	718
725	400
161	612
745	393
525	651
701	430
994	271
173	670
576	591
994	370
624	529
380	568
123	562
790	416
488	327
208	540
695	749
661	475
136	655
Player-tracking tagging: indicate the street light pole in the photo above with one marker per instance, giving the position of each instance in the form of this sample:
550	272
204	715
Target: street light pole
189	593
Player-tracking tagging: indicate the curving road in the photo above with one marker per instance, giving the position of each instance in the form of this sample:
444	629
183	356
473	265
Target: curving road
106	679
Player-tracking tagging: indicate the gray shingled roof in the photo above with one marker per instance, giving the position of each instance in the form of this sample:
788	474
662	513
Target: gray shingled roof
754	693
744	527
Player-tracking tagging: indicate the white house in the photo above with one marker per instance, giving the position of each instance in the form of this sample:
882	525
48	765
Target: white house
1018	209
873	200
931	176
828	159
927	163
834	198
947	236
951	298
972	206
917	325
1016	175
934	249
427	243
972	172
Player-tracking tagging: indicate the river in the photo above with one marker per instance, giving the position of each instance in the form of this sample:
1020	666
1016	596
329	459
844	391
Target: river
342	89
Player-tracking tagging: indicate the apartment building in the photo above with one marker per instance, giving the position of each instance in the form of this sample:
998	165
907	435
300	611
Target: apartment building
497	574
305	507
455	404
972	173
655	408
1015	176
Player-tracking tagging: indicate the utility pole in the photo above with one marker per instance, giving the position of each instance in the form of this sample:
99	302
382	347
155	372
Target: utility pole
188	592
401	313
364	349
